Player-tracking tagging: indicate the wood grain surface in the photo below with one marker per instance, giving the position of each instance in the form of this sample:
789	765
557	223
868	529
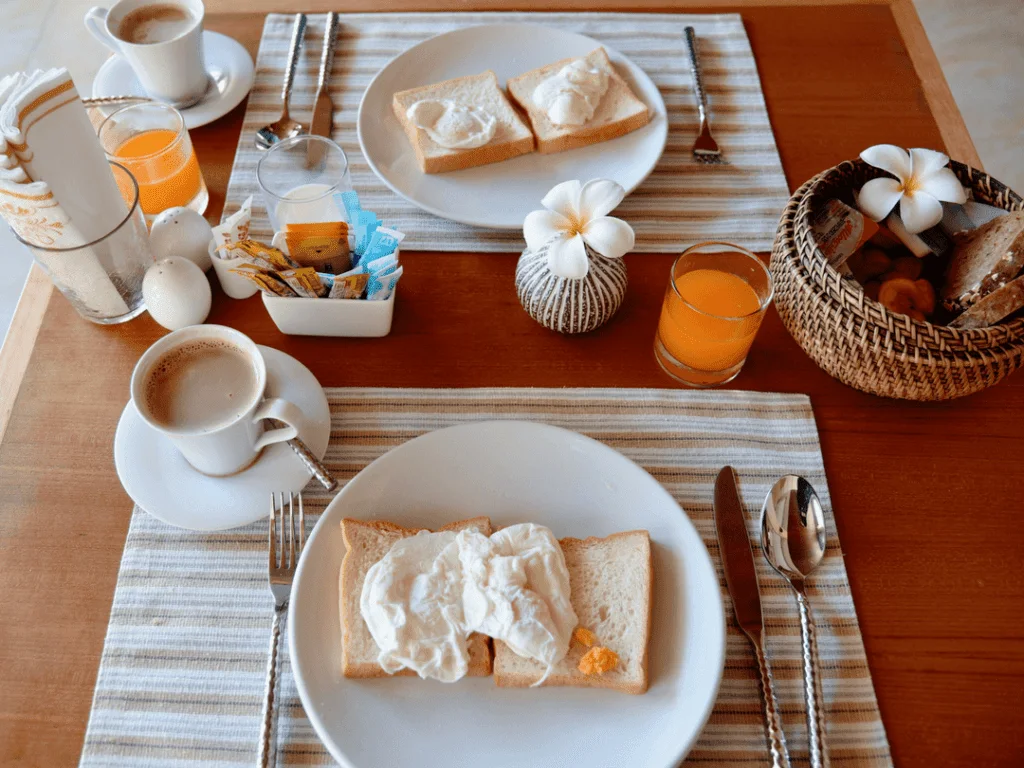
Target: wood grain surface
926	497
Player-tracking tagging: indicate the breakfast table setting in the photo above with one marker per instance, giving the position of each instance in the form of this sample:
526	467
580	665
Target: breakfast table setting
634	384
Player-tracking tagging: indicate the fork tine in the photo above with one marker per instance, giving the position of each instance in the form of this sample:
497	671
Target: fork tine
273	553
291	531
302	525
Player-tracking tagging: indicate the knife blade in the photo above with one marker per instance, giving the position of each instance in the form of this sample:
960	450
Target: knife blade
737	557
323	108
741	579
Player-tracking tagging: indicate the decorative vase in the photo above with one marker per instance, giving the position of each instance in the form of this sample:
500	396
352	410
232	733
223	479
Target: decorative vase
566	304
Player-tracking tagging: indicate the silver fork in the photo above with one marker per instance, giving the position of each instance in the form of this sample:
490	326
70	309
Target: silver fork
285	547
705	149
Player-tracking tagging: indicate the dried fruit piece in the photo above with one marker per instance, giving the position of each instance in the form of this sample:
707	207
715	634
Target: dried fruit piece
915	298
584	636
905	266
868	263
598	660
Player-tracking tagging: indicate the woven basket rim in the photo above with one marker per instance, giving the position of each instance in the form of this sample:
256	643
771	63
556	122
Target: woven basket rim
811	196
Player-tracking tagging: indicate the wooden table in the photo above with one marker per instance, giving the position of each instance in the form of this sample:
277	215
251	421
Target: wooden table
927	496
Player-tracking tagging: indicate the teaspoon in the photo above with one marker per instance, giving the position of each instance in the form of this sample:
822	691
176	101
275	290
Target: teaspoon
285	127
793	540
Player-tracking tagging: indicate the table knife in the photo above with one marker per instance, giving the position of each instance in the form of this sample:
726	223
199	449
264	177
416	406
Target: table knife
323	109
740	577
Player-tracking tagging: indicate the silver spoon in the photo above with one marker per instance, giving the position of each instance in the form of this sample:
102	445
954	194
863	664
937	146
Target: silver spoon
285	127
793	540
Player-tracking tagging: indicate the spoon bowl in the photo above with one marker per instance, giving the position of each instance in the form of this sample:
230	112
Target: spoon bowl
285	128
793	528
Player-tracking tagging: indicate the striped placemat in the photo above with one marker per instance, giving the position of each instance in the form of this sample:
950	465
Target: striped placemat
182	674
681	203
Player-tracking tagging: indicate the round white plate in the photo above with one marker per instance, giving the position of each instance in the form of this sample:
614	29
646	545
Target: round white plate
227	61
514	472
159	480
501	194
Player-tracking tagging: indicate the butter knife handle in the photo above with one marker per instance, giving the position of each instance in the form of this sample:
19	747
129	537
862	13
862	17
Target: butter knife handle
818	752
773	720
298	31
698	80
327	54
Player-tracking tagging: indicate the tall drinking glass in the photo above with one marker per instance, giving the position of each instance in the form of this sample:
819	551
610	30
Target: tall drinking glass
103	279
152	142
299	178
716	298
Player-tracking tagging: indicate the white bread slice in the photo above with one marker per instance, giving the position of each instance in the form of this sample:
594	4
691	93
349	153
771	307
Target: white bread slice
512	137
612	581
368	542
618	113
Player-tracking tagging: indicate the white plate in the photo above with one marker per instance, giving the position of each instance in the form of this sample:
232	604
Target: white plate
501	194
513	472
229	65
159	480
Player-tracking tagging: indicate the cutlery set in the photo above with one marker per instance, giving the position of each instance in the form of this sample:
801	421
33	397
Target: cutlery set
285	127
793	542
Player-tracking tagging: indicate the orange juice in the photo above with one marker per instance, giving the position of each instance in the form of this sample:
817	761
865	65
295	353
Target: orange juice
165	166
709	321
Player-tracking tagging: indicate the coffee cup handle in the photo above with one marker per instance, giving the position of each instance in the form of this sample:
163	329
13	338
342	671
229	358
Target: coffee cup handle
281	410
96	23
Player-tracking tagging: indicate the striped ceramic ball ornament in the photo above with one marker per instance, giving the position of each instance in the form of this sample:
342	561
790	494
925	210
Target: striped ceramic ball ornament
571	277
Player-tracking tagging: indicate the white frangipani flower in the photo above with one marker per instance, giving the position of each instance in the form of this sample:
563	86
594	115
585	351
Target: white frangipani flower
576	217
922	181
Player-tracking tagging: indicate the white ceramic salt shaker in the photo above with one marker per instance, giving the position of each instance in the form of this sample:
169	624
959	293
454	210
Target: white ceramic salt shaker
177	293
181	232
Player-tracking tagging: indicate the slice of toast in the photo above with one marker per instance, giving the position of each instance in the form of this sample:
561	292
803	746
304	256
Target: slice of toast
612	581
511	138
618	113
368	542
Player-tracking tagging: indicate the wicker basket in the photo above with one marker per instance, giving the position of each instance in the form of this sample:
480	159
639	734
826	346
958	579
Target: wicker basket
859	341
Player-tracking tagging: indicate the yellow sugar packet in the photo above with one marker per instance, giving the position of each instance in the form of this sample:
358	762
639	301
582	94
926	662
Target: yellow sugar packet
268	283
349	286
324	253
304	281
271	255
324	228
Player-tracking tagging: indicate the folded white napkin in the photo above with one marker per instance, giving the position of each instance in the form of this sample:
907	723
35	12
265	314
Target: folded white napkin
56	186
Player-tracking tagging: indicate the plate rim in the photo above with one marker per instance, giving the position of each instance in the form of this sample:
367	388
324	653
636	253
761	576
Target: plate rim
309	706
659	109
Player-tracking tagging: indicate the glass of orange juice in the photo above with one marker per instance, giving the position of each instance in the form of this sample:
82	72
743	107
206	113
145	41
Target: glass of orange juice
151	141
716	298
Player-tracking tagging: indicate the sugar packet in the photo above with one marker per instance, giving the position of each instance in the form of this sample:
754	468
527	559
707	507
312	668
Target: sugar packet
382	286
305	282
268	282
382	242
349	286
234	229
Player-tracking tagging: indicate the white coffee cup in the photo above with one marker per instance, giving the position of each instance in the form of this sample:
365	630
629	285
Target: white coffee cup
231	446
174	70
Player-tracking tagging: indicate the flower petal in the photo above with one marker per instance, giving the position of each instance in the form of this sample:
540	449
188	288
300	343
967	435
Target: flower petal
567	257
540	227
944	185
925	161
879	196
564	198
598	198
889	158
920	211
612	238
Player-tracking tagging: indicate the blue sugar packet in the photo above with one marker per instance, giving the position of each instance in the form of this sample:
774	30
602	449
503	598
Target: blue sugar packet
348	202
380	288
382	242
366	224
378	265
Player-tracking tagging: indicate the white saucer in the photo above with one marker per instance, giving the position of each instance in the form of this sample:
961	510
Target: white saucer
229	65
160	481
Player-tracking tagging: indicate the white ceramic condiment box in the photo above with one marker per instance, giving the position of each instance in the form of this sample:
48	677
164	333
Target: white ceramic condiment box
331	317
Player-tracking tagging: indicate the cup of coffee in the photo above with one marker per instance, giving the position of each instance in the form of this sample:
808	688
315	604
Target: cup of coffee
163	42
203	387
